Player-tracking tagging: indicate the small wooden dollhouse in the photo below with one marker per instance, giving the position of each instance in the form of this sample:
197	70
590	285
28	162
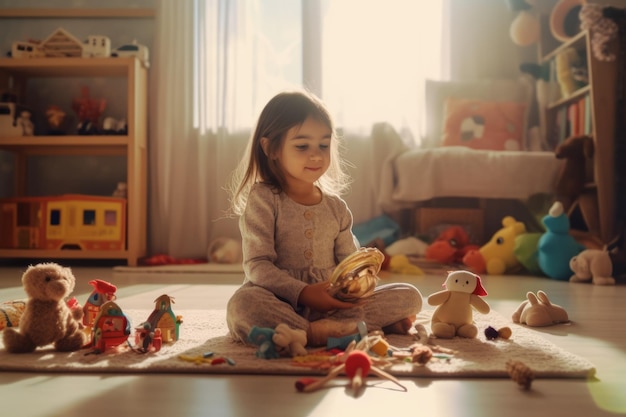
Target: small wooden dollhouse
163	318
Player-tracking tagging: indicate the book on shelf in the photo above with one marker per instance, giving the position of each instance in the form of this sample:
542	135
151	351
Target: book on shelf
573	119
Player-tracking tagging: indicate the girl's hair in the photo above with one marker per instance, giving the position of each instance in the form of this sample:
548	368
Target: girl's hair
281	113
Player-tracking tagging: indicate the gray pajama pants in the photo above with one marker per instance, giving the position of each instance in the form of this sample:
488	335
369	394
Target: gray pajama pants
252	305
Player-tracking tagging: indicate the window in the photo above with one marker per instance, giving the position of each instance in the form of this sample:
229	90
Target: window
366	59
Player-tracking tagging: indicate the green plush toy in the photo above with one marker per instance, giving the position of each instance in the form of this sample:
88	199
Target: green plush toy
525	251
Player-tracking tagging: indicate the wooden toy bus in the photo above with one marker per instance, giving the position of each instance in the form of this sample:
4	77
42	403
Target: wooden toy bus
71	221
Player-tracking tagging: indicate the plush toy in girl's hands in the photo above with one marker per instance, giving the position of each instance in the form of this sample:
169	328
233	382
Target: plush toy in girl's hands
454	316
47	317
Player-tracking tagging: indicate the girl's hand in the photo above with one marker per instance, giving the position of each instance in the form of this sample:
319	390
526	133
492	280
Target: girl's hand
316	297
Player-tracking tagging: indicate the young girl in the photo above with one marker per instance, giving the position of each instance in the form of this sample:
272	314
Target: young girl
295	230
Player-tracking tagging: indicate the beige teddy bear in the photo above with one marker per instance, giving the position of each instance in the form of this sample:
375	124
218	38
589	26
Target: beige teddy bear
454	314
47	318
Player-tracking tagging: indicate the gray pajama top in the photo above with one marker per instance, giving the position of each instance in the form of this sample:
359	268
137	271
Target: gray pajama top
287	245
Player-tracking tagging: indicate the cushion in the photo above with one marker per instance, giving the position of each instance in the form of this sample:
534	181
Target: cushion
437	92
478	124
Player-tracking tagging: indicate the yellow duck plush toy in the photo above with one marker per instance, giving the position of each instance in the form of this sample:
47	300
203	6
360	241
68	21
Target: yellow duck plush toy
454	316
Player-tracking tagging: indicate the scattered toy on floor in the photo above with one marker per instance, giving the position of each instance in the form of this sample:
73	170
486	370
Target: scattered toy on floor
289	341
356	364
454	316
593	265
497	256
492	333
520	373
450	246
538	311
110	329
103	291
47	319
557	246
225	251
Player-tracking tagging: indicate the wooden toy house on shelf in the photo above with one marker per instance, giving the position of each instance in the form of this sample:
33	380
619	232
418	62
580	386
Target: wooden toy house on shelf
67	222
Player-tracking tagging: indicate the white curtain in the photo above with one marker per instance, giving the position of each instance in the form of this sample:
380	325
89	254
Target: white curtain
217	62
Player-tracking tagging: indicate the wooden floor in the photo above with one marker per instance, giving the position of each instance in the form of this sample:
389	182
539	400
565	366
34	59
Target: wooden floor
597	333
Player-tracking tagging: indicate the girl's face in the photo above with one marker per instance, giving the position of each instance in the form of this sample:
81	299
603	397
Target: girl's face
305	152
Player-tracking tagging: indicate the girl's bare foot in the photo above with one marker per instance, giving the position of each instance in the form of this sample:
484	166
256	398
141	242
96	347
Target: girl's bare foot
400	327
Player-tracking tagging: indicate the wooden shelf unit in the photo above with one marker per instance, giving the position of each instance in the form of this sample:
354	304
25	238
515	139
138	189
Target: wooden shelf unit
602	92
133	145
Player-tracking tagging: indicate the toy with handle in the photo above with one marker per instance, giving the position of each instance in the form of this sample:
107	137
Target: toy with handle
357	366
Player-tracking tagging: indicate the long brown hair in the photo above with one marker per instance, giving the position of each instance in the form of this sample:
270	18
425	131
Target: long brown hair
281	113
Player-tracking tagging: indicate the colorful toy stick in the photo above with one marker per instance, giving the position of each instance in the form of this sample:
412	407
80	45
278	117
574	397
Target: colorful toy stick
357	366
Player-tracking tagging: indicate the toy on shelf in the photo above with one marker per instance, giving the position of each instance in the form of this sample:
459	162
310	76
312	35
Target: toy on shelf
453	315
9	125
27	49
58	121
497	256
103	291
71	221
111	126
111	327
356	364
593	265
538	311
88	111
164	319
556	246
62	43
524	29
134	49
47	318
96	46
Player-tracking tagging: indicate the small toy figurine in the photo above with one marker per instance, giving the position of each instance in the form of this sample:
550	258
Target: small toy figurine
47	318
453	316
102	292
262	337
147	339
57	120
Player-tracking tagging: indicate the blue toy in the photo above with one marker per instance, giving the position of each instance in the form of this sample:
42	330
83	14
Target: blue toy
262	337
556	246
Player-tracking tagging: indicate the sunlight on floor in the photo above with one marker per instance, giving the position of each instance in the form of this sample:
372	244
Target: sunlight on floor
60	391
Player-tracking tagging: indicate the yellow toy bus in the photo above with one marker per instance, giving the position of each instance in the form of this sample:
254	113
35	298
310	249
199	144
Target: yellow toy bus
71	221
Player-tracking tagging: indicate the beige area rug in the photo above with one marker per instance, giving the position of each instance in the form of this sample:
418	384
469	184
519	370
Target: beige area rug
201	268
205	331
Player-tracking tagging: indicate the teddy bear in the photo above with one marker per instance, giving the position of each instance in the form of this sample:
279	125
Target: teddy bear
453	316
47	318
593	265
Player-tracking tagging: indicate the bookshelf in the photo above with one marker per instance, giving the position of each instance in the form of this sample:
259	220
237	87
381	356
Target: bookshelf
588	108
132	145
